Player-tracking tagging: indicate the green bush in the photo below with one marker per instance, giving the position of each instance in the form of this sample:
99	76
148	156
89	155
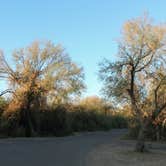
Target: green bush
54	122
61	121
91	120
10	124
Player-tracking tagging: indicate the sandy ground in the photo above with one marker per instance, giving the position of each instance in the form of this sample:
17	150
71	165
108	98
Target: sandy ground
86	149
120	153
66	151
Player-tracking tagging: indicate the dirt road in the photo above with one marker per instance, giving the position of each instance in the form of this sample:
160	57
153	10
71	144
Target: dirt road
66	151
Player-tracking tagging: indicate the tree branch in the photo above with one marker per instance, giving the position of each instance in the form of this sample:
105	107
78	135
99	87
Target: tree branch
147	64
6	91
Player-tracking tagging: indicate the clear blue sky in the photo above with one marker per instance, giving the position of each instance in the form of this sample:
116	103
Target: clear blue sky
88	29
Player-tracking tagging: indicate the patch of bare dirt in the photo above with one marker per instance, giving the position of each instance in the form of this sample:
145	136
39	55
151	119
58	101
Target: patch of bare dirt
121	153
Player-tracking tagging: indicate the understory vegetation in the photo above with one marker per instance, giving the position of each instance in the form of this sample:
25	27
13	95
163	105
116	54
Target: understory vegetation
61	120
44	88
43	95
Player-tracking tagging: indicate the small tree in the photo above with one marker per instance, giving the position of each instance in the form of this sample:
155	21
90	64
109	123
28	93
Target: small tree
43	72
141	54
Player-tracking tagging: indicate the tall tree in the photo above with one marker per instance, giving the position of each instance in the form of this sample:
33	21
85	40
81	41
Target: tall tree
42	72
141	53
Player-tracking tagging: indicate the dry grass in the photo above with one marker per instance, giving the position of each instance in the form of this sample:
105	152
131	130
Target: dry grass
121	154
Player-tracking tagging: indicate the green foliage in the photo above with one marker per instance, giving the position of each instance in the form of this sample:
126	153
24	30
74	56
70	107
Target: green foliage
60	121
94	113
54	122
10	124
89	121
118	121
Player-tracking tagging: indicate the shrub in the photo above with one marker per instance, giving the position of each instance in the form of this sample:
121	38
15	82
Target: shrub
91	120
54	122
60	121
10	124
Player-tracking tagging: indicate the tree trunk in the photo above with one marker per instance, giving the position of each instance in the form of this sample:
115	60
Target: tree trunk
28	124
26	120
140	145
157	132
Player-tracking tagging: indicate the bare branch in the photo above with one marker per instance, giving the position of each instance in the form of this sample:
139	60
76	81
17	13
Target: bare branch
5	92
145	65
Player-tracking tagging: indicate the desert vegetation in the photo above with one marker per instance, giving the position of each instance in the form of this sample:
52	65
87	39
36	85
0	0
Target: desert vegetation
138	77
44	88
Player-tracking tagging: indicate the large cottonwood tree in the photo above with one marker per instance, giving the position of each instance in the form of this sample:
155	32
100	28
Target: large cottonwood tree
139	75
42	73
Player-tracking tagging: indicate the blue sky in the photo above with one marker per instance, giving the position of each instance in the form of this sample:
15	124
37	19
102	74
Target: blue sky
88	29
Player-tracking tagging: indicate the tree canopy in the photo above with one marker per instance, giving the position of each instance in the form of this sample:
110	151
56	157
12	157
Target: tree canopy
43	69
43	74
138	77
